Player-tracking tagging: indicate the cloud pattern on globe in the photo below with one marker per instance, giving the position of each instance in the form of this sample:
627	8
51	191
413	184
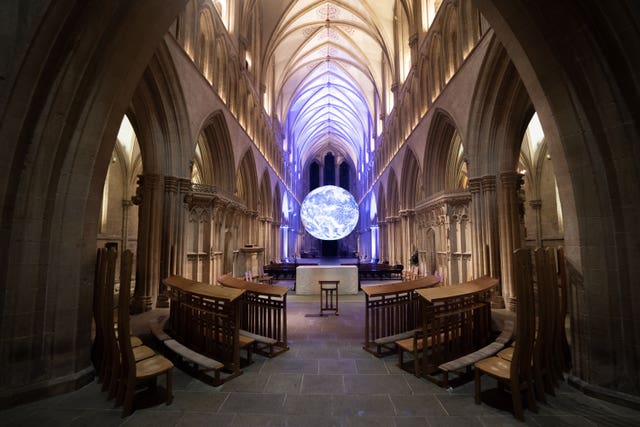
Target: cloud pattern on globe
329	212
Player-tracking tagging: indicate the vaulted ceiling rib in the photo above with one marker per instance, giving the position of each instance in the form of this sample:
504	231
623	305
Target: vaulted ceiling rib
329	59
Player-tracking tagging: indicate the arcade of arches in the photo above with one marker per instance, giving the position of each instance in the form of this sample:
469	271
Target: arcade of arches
464	128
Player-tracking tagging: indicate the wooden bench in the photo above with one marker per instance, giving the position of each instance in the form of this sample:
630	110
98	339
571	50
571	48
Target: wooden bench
157	325
392	313
379	271
263	314
196	358
465	362
456	320
205	320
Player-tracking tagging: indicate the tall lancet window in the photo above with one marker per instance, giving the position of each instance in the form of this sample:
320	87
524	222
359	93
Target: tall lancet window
344	175
329	169
314	176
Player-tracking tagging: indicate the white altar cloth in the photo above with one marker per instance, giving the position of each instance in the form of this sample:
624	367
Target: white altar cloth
307	278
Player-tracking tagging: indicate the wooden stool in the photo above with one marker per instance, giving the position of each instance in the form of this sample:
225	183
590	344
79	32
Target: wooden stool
329	295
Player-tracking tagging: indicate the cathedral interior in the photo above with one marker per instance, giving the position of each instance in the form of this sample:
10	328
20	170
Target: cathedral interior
186	130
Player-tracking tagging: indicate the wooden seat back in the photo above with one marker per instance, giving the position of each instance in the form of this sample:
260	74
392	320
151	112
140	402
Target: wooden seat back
124	342
456	320
392	310
525	317
131	371
263	311
206	319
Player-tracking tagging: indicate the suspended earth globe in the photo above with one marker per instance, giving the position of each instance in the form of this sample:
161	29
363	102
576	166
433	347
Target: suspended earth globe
329	212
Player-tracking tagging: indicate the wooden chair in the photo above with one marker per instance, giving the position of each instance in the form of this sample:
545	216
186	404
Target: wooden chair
517	373
104	345
543	348
133	372
565	351
112	363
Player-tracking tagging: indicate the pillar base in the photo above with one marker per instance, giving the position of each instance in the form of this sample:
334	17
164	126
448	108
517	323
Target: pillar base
497	302
162	301
140	304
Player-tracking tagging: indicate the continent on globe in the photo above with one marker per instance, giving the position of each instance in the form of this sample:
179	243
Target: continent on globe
329	212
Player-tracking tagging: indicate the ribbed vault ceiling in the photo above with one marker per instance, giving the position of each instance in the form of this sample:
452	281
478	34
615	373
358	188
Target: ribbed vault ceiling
325	66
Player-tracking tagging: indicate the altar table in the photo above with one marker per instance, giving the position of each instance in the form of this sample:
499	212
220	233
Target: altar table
308	278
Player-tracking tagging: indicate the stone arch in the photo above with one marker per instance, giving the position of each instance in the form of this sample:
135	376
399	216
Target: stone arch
157	113
266	204
217	153
411	187
500	115
57	150
584	139
436	70
247	181
442	155
393	199
221	76
451	40
205	48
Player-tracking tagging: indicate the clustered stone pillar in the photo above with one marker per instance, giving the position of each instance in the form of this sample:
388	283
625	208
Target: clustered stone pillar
486	240
172	217
536	206
509	231
382	242
409	239
150	198
477	219
160	246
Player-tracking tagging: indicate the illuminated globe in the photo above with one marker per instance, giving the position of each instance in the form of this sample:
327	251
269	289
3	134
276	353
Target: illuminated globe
329	212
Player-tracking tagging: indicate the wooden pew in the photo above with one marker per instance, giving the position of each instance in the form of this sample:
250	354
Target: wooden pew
205	326
456	320
392	312
379	271
263	314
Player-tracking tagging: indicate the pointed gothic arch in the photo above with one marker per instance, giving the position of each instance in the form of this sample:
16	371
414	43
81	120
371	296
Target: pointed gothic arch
444	155
247	181
217	153
412	181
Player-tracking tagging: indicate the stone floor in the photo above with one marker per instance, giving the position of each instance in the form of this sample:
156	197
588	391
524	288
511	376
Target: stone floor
325	379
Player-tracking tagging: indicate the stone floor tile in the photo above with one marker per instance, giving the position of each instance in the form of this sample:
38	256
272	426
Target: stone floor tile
376	384
362	405
254	403
284	383
191	419
253	420
312	405
420	405
200	401
336	366
322	384
371	366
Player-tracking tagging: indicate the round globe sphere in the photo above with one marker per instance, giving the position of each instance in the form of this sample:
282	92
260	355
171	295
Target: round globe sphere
329	212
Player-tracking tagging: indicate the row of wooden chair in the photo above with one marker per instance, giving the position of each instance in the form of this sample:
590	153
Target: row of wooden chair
120	359
535	363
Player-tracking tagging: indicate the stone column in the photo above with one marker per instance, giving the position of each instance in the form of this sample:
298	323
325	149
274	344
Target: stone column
126	204
382	240
404	239
149	197
171	211
490	209
179	252
509	232
477	237
536	207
